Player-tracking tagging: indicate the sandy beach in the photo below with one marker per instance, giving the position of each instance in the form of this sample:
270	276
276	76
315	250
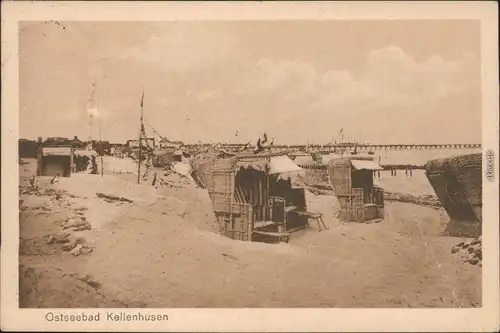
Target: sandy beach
162	249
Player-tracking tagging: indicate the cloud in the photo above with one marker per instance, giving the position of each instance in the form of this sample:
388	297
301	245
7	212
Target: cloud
286	74
390	85
207	95
392	77
389	77
184	47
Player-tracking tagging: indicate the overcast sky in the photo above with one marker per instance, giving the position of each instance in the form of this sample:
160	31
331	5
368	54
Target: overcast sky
301	81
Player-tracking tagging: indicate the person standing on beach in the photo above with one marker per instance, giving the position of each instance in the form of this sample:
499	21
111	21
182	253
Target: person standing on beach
94	165
148	165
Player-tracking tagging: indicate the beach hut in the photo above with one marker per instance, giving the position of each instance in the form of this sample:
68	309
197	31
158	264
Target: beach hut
161	157
316	170
53	160
351	178
457	182
81	158
181	156
253	196
315	174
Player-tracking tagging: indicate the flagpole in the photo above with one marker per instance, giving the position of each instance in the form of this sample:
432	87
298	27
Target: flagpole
140	142
102	149
342	142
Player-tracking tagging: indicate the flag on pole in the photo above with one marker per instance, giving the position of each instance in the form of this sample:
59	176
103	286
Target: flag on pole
142	99
264	138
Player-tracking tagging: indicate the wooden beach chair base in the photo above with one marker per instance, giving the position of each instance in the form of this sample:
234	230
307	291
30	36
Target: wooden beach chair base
318	217
283	237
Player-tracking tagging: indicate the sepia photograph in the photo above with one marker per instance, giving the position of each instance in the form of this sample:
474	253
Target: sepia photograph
263	163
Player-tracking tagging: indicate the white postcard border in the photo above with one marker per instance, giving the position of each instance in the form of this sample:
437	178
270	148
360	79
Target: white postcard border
249	320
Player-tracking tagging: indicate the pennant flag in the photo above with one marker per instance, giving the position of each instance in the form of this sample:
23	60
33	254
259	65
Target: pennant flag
264	139
258	147
142	99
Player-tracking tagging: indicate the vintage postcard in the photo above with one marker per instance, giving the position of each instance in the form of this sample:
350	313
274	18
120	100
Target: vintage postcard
250	166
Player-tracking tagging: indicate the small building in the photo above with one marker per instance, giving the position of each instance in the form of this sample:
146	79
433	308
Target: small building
252	195
27	148
53	160
457	182
351	178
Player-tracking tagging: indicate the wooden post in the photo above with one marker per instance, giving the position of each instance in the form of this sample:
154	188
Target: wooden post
140	142
102	151
379	165
268	216
250	222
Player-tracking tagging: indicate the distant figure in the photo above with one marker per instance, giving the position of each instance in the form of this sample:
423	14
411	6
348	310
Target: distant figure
94	165
154	179
32	181
55	179
86	163
148	165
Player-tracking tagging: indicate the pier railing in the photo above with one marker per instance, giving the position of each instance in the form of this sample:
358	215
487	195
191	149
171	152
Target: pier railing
329	148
